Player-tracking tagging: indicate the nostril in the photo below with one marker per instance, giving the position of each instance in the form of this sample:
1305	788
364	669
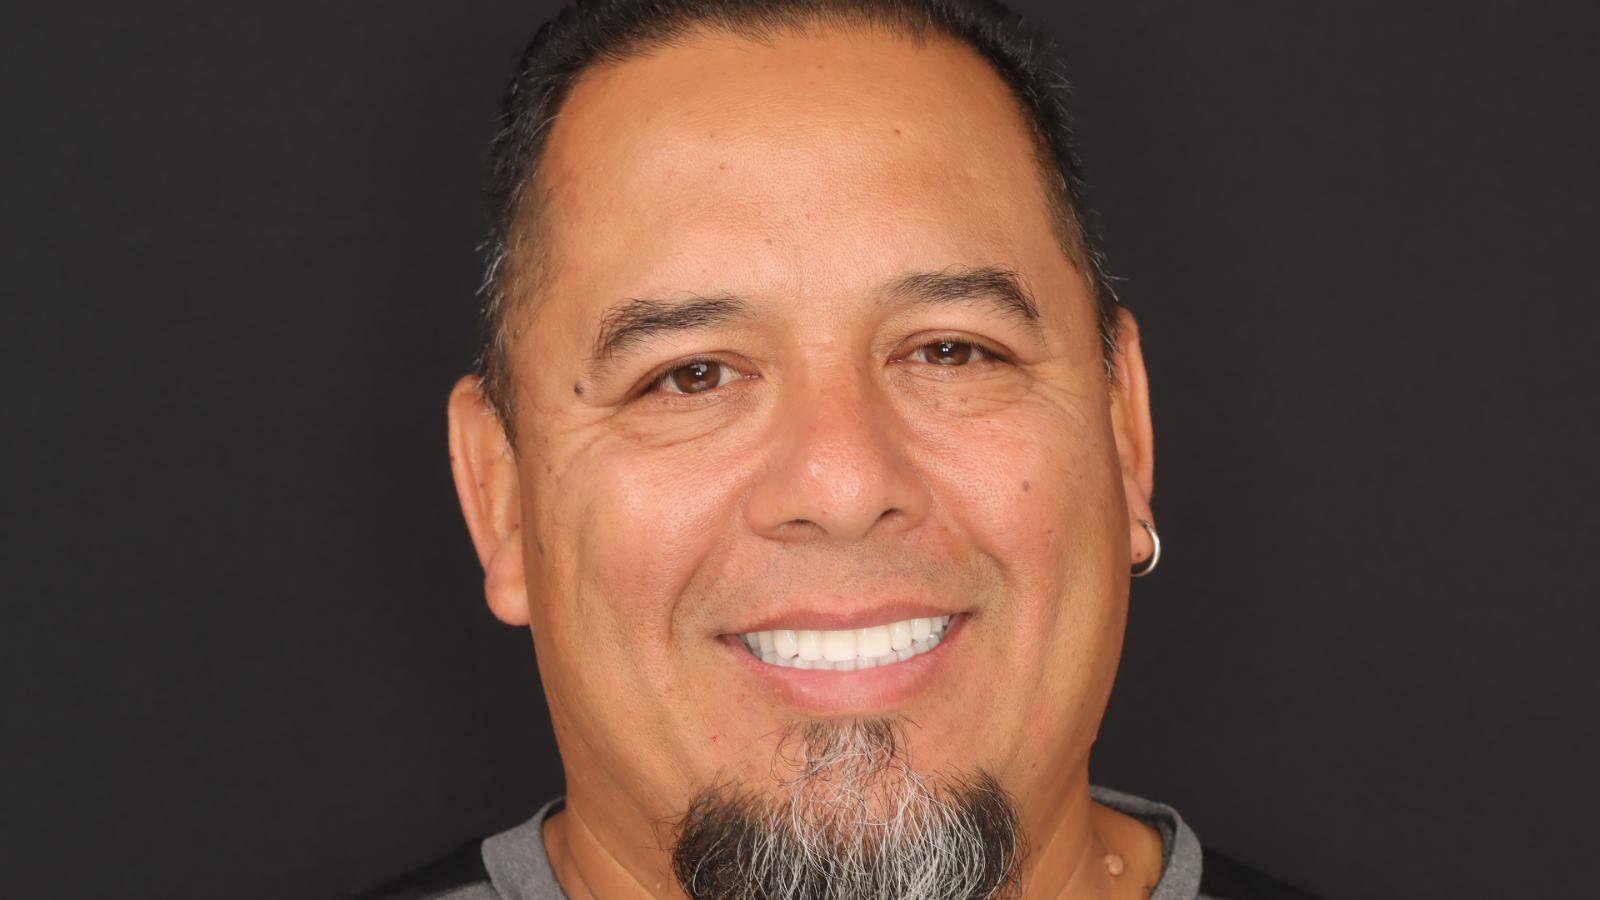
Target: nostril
798	527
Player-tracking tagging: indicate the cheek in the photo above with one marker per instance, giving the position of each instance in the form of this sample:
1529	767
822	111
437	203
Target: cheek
1037	489
646	519
1034	485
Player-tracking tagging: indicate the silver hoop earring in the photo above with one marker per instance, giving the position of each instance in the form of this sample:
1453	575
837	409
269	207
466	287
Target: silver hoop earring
1155	553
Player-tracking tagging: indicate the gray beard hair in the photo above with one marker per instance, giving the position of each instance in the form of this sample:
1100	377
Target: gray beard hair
854	822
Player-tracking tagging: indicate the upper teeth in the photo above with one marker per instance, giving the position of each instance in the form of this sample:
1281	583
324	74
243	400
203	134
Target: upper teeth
847	649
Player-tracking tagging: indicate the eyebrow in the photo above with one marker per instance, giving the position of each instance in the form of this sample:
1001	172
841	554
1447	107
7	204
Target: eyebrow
640	319
997	286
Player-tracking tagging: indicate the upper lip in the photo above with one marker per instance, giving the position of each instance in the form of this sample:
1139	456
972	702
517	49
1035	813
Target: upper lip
814	619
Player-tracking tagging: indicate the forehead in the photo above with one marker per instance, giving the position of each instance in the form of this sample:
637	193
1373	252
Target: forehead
803	165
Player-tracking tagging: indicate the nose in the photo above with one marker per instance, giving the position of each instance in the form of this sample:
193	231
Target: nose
836	467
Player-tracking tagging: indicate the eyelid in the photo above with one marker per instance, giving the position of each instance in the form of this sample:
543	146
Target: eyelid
651	384
987	348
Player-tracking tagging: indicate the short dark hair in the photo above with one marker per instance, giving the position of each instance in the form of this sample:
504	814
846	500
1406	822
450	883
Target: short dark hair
588	33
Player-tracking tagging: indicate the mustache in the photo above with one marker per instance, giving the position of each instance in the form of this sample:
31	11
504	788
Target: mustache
851	820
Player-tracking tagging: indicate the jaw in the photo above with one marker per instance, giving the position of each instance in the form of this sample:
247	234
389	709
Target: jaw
958	720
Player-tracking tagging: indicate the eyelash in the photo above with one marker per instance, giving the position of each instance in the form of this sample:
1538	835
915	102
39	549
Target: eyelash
655	384
984	353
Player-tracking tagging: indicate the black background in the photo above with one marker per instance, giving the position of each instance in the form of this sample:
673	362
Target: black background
245	650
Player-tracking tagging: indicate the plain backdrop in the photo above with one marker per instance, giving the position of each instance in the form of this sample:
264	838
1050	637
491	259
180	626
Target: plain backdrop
245	651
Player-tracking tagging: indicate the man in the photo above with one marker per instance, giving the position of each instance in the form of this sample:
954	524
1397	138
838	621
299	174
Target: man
812	449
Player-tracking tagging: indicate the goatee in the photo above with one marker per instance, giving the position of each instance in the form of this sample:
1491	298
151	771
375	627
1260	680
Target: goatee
853	821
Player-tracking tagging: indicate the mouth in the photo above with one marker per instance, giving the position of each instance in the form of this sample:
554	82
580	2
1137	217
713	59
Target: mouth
847	649
871	667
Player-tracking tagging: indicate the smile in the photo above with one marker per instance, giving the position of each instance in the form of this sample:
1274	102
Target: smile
848	649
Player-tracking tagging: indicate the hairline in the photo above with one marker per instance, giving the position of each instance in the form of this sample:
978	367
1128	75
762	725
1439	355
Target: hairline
523	257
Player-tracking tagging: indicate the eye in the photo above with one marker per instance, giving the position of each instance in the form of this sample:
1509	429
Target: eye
695	377
949	353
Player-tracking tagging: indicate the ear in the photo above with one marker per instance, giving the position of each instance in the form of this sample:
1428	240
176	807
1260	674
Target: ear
485	472
1130	423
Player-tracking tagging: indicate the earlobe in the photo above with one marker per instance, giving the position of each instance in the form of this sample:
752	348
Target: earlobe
505	582
487	485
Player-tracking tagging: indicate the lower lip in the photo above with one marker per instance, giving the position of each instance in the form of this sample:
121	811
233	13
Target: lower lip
828	690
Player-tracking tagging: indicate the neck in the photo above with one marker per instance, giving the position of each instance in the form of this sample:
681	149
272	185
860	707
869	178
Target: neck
589	869
1083	850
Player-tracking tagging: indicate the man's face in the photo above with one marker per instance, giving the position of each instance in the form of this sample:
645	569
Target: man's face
826	411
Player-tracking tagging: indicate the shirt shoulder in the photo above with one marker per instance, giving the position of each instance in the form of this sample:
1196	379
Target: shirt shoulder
1189	870
510	865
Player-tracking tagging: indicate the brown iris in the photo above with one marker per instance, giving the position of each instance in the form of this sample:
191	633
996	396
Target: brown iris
696	377
949	353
